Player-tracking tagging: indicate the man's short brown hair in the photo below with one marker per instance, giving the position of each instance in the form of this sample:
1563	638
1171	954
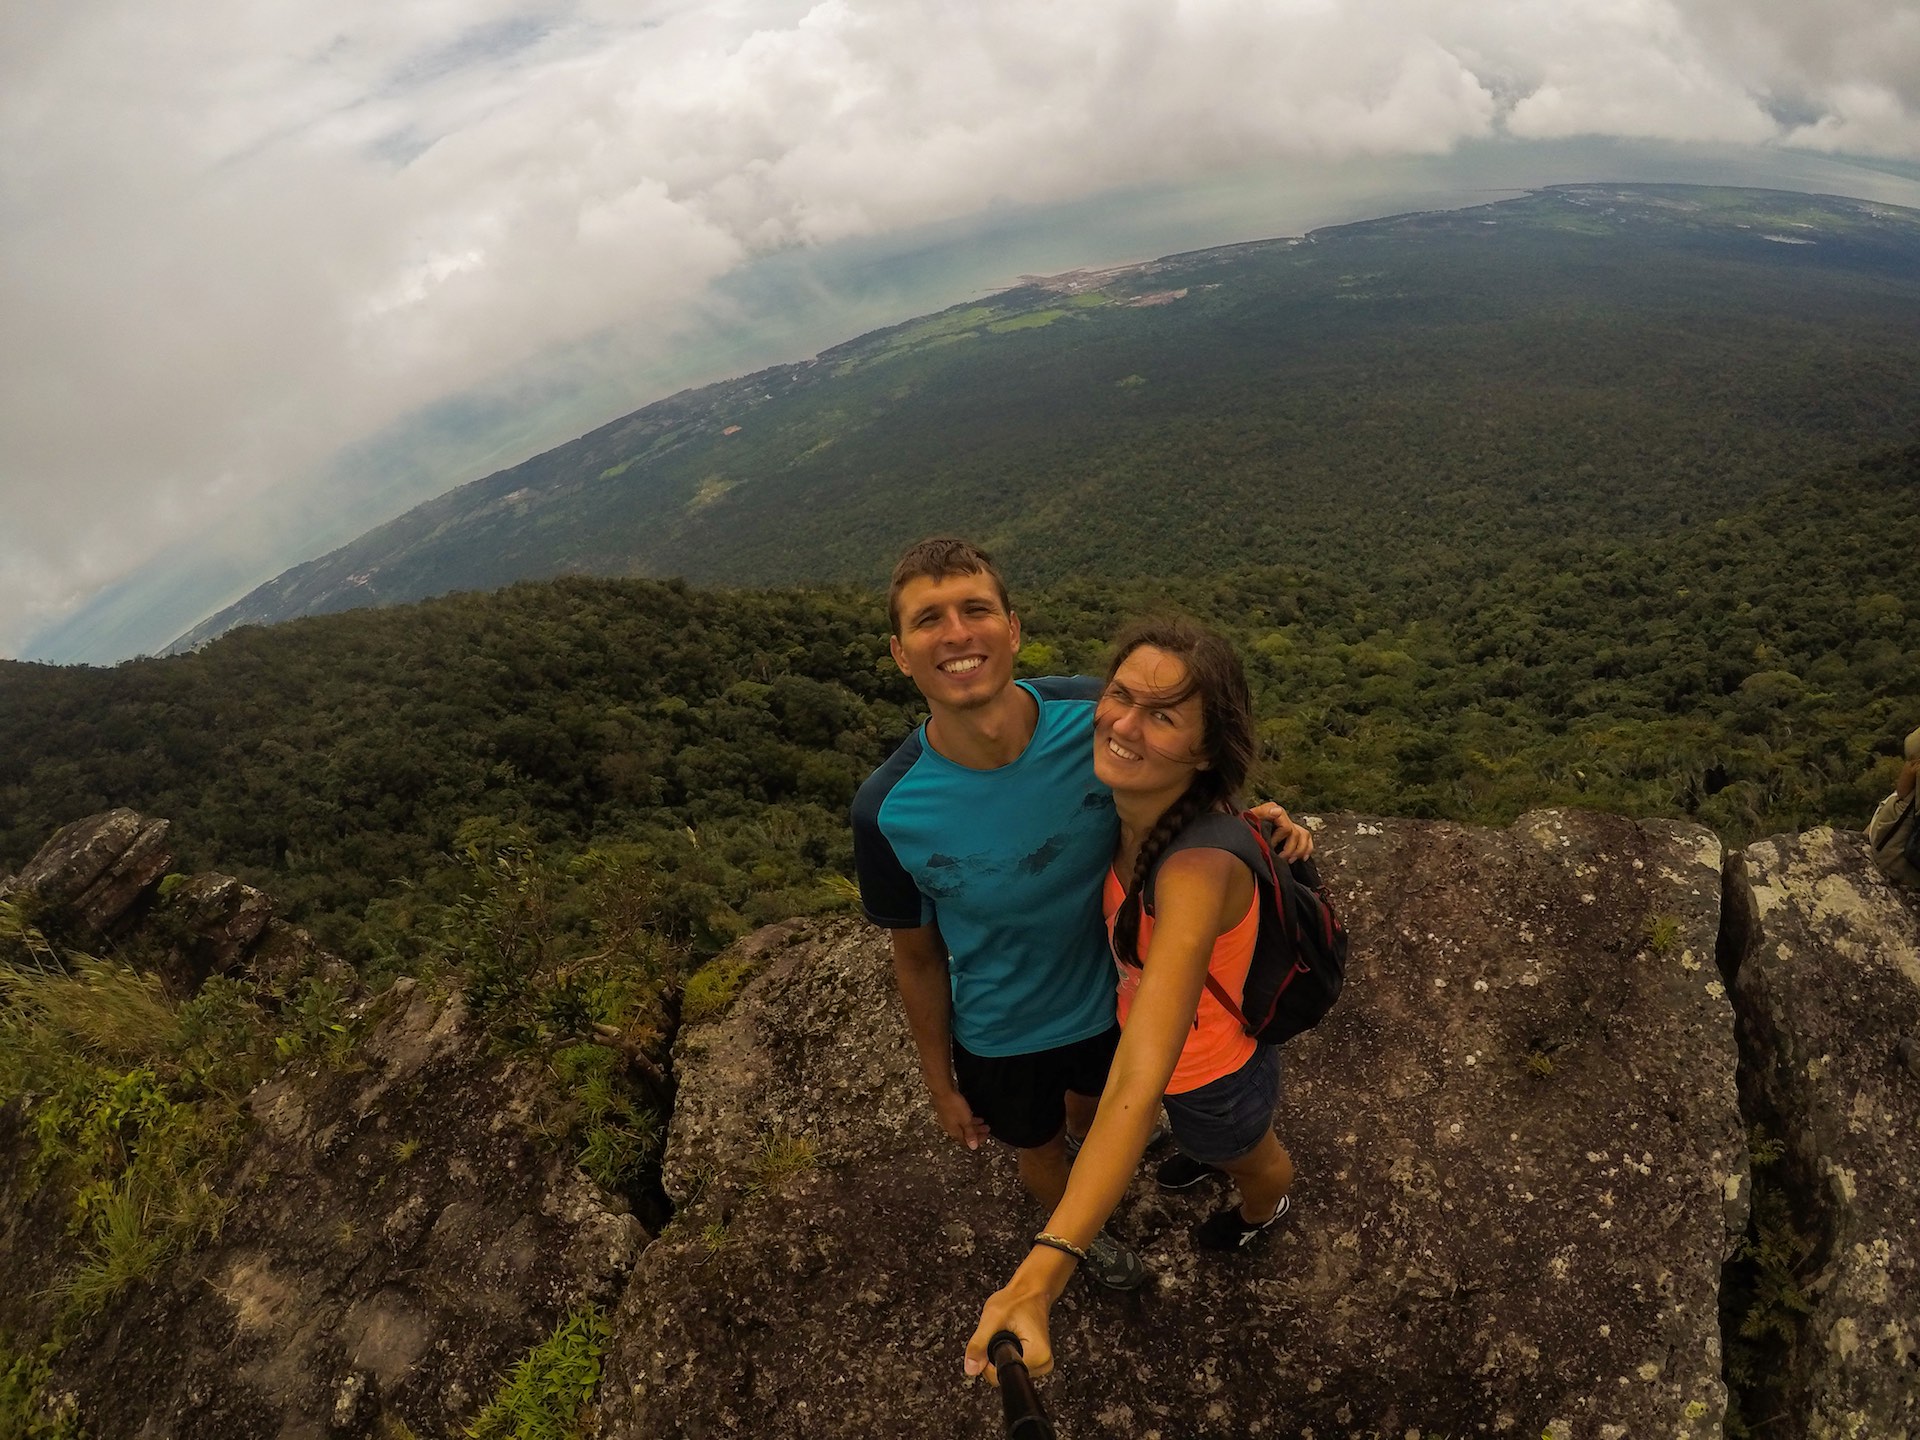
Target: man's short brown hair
935	559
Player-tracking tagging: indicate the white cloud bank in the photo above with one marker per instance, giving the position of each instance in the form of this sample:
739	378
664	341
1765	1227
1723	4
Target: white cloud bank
237	235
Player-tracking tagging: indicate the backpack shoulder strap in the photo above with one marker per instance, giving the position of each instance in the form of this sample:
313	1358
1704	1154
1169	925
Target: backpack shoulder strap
1214	831
1240	837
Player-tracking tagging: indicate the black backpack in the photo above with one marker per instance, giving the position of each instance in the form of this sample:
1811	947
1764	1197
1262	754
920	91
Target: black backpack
1300	958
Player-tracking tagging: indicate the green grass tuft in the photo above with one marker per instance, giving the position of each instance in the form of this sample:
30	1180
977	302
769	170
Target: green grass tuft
710	990
544	1395
781	1157
1662	933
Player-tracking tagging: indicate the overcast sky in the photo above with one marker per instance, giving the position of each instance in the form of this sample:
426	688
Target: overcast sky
237	236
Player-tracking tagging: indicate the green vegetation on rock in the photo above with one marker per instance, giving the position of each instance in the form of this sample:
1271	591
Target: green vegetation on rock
131	1099
27	1412
544	1395
711	988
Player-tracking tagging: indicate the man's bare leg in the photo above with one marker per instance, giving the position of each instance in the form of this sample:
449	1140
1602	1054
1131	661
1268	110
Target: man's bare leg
1043	1170
1080	1113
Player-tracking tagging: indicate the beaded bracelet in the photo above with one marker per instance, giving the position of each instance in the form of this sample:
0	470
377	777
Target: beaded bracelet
1065	1247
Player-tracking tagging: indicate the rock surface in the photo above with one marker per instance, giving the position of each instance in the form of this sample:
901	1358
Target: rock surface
402	1236
221	920
1827	964
94	871
1521	1167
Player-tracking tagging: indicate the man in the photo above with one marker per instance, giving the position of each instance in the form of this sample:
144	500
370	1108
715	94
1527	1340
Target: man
980	845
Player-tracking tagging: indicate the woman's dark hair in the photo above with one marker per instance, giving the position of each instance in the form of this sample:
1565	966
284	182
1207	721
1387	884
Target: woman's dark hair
1227	742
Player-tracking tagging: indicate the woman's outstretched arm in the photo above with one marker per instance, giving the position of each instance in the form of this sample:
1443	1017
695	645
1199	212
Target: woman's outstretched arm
1198	895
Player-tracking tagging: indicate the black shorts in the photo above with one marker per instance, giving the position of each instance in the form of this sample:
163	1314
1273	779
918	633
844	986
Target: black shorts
1023	1098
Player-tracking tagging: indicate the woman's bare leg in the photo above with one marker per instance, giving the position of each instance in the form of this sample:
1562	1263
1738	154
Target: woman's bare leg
1264	1174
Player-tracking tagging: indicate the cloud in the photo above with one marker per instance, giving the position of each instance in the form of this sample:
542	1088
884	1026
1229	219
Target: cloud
241	234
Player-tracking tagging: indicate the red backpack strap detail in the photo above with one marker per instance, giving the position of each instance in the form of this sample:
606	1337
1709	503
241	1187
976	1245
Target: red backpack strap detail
1219	992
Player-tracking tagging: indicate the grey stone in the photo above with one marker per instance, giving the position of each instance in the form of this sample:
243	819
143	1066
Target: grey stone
94	871
354	1405
1828	975
219	919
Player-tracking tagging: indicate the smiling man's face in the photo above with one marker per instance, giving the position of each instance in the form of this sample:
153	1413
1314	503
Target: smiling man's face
956	640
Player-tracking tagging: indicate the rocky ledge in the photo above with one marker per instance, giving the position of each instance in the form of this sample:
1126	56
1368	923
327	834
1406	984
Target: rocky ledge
1826	963
1527	1205
1521	1158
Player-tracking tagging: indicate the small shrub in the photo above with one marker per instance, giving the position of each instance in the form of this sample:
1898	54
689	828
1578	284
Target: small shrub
1764	1304
1662	933
618	1137
24	1411
315	1023
543	1396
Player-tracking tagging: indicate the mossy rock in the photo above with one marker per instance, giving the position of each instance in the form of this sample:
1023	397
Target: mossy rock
711	989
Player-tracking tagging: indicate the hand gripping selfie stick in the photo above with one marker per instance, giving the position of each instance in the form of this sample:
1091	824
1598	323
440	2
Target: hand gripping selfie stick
1018	1399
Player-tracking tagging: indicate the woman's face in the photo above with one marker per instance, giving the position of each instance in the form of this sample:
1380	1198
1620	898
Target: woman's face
1141	744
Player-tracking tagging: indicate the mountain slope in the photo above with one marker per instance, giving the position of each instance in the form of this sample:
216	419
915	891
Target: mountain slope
1590	360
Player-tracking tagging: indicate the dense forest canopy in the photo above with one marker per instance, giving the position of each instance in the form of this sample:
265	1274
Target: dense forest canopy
1755	671
1596	362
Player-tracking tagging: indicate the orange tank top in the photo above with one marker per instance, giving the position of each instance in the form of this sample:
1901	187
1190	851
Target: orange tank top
1216	1045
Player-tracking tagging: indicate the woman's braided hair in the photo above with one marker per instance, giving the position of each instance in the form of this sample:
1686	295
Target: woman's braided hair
1227	741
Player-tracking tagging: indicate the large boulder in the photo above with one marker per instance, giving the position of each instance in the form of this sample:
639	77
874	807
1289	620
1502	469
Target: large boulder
1521	1166
93	872
1826	958
214	921
402	1234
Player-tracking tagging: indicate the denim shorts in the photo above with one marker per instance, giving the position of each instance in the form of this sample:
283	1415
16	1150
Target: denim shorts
1225	1118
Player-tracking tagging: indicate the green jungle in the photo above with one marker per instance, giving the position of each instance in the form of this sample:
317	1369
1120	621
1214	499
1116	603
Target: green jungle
1754	672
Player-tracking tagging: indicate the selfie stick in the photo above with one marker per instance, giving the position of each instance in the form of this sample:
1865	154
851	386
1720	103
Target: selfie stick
1025	1419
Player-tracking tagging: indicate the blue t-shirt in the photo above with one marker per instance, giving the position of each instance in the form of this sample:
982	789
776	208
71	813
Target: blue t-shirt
1009	862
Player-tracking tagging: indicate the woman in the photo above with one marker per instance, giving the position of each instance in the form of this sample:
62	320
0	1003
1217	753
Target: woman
1173	739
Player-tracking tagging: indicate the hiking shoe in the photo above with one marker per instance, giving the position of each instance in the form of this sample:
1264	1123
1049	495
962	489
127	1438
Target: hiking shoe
1180	1171
1227	1230
1161	1134
1113	1265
